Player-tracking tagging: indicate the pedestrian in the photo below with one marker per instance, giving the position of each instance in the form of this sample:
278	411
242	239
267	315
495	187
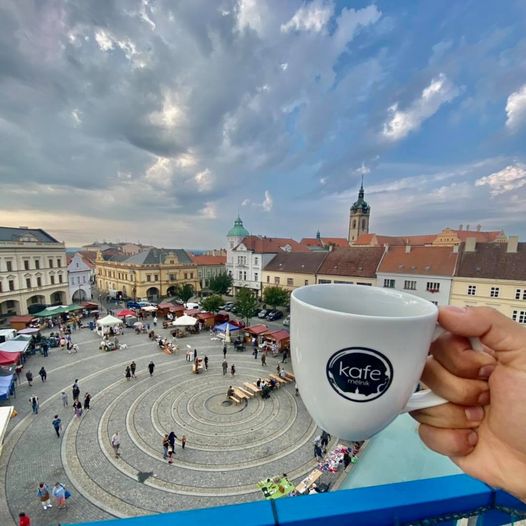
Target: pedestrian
224	351
116	443
278	369
206	362
64	398
183	441
258	383
34	404
255	353
59	492
127	373
75	390
155	321
285	355
324	440
29	376
69	346
87	401
166	445
263	359
225	367
171	453
45	349
133	366
151	367
318	453
297	390
233	370
43	495
43	373
57	424
62	344
195	355
24	519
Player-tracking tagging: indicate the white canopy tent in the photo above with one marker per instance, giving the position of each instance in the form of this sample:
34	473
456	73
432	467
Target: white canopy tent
185	321
104	324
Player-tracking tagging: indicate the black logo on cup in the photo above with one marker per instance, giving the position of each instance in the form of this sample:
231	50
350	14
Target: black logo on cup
359	374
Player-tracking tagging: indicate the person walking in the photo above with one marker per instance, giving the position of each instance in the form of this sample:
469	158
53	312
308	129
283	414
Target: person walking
45	349
233	370
77	407
24	519
151	367
285	355
166	445
87	402
75	390
225	367
255	353
183	441
29	376
34	404
59	492
155	321
195	355
57	424
324	440
133	366
318	453
43	495
43	374
171	453
127	373
116	443
64	398
263	359
224	351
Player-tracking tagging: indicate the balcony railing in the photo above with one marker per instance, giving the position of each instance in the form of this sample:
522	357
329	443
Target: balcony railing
442	500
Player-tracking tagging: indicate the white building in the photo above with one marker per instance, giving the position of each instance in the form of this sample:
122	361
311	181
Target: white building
80	278
33	271
426	272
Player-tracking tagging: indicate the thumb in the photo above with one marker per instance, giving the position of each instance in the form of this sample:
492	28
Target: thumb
495	330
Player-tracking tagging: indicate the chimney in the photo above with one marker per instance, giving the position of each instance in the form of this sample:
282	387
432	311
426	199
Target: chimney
386	248
461	226
479	227
455	249
467	227
471	243
513	244
407	249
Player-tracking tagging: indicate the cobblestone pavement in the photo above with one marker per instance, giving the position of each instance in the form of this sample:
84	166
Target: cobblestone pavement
229	448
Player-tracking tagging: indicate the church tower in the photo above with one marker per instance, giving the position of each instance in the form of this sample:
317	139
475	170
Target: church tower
359	217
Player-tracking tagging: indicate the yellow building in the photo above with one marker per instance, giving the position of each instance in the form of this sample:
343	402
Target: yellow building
153	273
492	275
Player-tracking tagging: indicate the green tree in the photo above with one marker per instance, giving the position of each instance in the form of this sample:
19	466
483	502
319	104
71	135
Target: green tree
246	303
212	303
184	292
276	296
220	284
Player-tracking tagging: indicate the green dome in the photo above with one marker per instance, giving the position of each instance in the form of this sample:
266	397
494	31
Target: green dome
360	204
238	230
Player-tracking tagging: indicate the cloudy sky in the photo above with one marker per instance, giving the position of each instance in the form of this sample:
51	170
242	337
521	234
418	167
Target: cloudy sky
158	120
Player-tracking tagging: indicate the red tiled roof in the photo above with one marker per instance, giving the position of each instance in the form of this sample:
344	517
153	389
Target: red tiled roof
299	262
352	261
208	260
481	237
311	242
278	335
257	329
427	261
324	242
272	245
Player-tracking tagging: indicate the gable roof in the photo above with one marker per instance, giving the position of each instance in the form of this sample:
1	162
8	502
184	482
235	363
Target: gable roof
298	262
203	260
426	261
14	234
271	245
151	256
377	240
352	261
324	241
493	261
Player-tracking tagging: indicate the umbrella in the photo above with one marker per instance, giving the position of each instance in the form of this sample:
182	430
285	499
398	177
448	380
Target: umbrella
125	312
29	330
185	321
149	308
138	324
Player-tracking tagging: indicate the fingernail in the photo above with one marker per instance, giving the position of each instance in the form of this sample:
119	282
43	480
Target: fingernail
473	438
486	370
453	308
475	413
483	398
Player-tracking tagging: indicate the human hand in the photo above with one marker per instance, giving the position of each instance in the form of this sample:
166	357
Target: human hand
482	428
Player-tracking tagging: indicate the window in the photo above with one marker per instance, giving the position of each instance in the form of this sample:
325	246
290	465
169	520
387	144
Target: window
156	277
1	289
52	279
26	264
191	275
366	284
11	284
472	290
290	282
324	281
363	224
354	223
245	275
519	316
173	277
433	286
59	262
37	264
306	282
9	266
60	278
276	280
520	294
149	277
389	283
39	281
268	279
50	263
410	285
256	276
494	292
256	261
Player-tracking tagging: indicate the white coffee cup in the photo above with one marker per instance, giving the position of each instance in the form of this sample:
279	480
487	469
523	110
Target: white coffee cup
358	353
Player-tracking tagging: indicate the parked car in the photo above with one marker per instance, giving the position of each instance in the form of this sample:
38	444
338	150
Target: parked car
286	320
274	315
262	313
228	306
192	305
133	305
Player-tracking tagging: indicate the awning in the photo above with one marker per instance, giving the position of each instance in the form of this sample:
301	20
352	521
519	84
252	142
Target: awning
108	321
279	335
185	321
256	330
125	312
29	330
51	311
9	358
222	327
14	346
7	387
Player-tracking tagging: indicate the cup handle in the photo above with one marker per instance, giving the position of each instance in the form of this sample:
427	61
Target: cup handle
426	398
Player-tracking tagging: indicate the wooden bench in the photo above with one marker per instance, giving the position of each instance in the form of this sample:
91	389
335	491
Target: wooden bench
278	379
234	399
252	387
240	394
291	377
250	394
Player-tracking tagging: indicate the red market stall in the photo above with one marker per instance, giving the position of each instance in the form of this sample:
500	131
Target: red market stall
20	322
278	340
206	319
9	358
255	331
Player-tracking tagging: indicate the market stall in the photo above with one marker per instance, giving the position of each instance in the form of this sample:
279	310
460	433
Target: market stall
21	322
255	331
15	346
107	324
275	487
276	340
7	387
125	312
182	324
8	359
206	319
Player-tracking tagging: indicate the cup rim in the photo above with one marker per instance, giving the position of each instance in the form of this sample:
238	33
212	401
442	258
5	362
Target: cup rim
432	308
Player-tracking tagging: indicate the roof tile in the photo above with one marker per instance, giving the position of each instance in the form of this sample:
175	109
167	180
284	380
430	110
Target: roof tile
427	261
352	261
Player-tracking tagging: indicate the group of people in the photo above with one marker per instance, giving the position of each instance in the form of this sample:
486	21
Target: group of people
224	366
59	492
168	443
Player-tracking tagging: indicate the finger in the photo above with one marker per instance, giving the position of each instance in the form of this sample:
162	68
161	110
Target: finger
460	391
456	355
494	329
449	442
450	416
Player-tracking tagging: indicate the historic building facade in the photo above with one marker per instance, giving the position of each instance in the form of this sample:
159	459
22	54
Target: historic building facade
359	217
33	271
80	278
